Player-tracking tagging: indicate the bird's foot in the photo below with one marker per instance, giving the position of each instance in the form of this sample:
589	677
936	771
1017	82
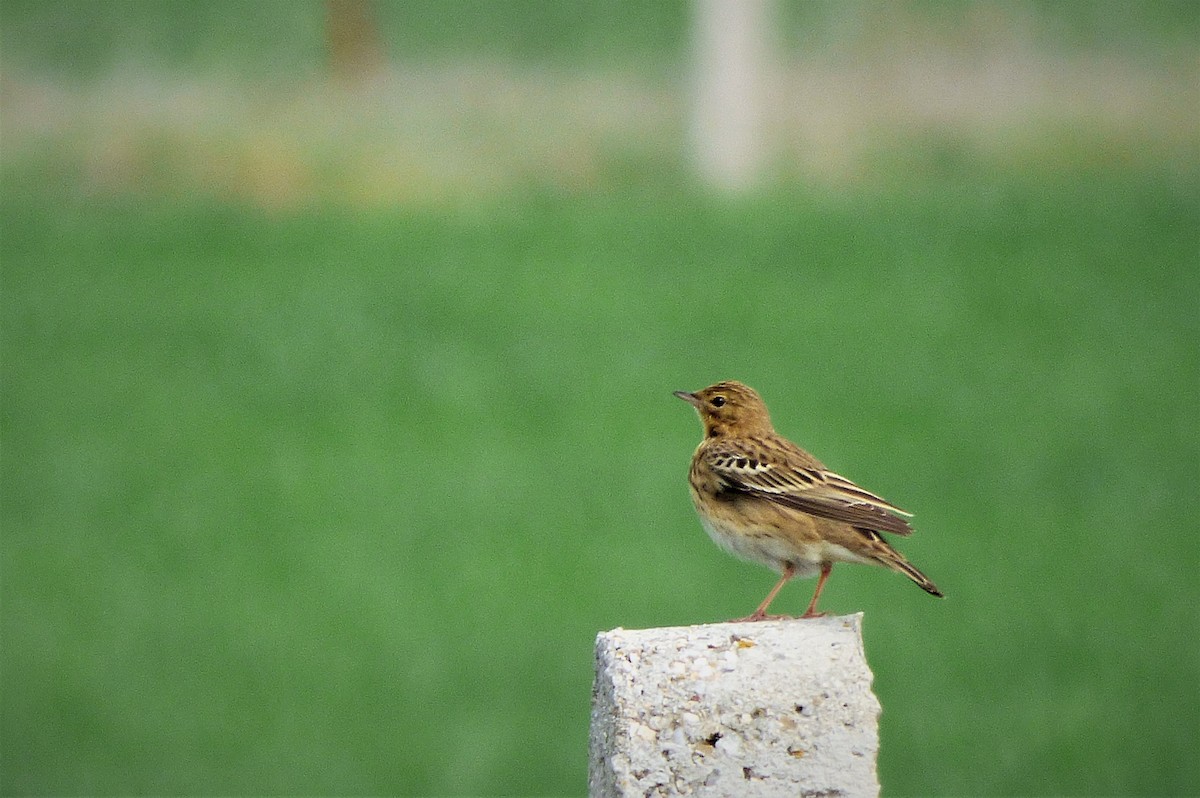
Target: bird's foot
761	616
811	614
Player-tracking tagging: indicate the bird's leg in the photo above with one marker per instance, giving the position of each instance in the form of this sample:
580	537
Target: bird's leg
811	612
760	614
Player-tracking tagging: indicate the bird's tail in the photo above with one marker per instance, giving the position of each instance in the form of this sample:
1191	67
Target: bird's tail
898	563
889	557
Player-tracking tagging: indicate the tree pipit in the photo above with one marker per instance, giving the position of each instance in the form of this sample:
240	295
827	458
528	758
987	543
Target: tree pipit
763	498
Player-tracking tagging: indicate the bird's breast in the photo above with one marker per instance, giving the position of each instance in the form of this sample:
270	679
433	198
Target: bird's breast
761	541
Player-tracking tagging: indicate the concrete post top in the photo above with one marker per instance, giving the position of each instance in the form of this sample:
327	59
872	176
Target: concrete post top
807	628
742	708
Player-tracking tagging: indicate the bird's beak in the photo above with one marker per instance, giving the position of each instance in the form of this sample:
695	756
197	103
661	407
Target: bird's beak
690	398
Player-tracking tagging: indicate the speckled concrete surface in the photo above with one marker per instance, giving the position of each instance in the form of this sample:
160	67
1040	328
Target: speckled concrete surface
734	709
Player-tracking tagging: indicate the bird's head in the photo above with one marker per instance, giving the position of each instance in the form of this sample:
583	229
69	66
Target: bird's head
729	408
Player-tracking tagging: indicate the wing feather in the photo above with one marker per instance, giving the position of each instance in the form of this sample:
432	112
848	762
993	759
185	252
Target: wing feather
797	480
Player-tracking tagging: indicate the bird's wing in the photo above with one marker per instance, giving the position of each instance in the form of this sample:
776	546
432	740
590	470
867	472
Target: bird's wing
794	479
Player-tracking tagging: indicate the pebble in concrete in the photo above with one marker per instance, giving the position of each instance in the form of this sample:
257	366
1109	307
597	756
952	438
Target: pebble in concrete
734	709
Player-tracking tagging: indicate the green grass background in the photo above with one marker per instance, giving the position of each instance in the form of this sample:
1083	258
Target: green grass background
334	501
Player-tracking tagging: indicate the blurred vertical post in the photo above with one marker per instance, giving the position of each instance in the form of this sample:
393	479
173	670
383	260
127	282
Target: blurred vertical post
356	51
732	63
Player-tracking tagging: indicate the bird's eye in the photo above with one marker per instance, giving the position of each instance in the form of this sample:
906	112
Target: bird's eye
718	401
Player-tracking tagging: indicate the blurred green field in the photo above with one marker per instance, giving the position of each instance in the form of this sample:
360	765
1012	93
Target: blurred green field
330	497
335	504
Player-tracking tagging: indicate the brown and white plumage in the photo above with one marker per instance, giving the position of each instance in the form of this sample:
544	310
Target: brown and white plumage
765	499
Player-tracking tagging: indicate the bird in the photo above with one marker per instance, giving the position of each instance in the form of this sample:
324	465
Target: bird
764	499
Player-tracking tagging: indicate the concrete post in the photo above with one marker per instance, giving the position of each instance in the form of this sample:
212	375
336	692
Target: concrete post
734	709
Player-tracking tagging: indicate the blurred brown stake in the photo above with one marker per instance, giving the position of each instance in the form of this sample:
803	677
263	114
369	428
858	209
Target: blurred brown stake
356	52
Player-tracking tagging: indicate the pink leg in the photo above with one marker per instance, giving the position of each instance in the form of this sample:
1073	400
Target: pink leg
811	612
760	614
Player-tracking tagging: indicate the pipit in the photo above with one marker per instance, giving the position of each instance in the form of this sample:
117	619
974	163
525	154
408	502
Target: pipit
763	498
